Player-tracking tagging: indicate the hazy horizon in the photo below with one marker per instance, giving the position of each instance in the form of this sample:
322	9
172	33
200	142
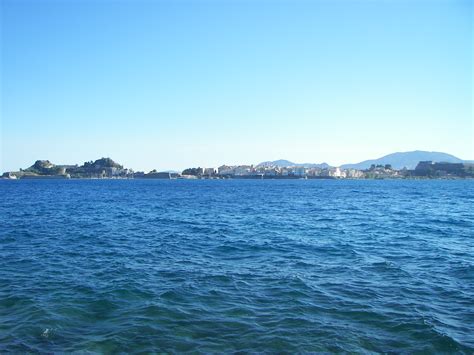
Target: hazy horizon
225	163
168	85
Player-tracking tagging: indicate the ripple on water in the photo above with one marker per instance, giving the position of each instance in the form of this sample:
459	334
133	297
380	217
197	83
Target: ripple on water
236	266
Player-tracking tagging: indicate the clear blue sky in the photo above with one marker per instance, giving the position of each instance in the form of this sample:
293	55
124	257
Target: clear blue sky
172	84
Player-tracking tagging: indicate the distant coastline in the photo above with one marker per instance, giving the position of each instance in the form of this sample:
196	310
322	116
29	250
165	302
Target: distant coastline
106	168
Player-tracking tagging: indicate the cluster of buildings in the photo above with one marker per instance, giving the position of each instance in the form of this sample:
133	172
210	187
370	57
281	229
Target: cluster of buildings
272	172
106	168
109	172
424	169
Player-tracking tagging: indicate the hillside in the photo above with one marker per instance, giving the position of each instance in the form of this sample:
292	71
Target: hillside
405	159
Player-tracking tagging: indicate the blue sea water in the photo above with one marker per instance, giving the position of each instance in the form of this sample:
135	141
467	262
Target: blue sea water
237	266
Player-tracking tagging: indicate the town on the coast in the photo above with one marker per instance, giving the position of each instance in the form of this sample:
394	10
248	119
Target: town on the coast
106	168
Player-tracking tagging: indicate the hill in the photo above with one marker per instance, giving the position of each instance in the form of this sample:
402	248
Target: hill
405	159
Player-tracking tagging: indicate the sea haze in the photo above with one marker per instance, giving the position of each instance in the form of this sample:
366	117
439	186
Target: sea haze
236	265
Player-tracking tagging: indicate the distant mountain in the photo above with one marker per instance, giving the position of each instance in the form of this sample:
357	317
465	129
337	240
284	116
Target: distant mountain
405	159
282	163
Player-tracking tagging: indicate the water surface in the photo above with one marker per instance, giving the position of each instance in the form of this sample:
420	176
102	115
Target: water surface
237	265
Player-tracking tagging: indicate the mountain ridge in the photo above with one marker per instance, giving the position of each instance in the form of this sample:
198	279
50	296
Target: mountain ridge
397	160
409	160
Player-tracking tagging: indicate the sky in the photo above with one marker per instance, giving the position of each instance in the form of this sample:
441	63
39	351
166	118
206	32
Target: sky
179	83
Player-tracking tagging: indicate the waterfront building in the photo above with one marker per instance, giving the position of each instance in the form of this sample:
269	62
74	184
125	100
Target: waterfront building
225	170
271	171
300	171
242	170
335	172
354	173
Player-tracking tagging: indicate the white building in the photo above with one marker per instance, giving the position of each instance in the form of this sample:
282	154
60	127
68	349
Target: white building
300	171
354	173
335	172
242	170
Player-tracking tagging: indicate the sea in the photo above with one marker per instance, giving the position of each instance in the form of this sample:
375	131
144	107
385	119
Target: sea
237	266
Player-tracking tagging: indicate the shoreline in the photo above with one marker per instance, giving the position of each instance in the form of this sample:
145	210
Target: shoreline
52	177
